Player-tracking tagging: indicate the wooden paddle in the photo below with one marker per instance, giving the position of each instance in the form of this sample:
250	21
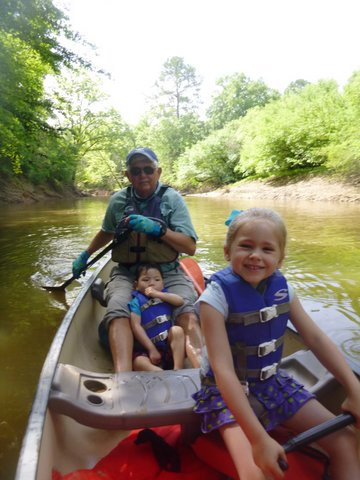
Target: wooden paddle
315	433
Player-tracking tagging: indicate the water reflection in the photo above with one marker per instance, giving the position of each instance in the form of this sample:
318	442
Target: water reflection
39	242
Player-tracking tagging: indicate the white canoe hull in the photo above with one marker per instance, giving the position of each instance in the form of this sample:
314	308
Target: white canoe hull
82	410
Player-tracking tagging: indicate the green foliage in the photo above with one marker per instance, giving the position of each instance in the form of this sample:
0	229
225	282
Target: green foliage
70	136
296	86
97	139
344	152
238	94
23	109
169	137
212	161
29	51
38	24
292	132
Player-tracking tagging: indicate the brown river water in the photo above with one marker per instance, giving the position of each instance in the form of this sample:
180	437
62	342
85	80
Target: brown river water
39	242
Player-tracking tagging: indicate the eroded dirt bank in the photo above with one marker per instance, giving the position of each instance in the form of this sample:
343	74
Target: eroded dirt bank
313	188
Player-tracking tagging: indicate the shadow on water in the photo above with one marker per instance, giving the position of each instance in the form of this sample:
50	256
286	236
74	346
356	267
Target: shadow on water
39	242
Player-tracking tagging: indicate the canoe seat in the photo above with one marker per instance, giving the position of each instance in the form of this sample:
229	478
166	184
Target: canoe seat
133	400
127	400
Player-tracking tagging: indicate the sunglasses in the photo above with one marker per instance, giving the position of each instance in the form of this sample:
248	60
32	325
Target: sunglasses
137	170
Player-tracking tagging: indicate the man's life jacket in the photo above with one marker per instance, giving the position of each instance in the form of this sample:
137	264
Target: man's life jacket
256	322
155	318
139	247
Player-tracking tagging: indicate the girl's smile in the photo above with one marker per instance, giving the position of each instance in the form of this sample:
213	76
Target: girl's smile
255	251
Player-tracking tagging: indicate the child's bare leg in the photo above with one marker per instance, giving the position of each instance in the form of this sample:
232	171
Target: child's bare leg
143	364
341	446
177	346
240	451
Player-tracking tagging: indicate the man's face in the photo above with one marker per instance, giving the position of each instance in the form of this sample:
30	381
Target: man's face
143	175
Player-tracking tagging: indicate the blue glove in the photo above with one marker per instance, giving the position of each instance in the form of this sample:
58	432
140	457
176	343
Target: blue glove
79	264
142	224
231	217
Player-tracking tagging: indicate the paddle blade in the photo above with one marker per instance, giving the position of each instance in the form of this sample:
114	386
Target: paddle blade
53	288
59	288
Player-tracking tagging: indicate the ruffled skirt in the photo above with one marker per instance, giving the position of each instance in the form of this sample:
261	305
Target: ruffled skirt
273	401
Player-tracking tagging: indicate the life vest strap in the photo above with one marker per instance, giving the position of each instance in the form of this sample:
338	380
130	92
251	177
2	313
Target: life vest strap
263	315
157	321
160	337
258	373
259	350
150	303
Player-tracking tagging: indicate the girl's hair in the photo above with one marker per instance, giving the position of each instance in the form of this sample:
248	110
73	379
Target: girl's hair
144	267
254	214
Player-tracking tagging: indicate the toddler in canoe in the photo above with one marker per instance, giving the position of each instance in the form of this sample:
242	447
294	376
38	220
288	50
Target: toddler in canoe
160	344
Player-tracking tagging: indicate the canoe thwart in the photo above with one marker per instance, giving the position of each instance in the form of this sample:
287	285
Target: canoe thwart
306	368
134	400
127	400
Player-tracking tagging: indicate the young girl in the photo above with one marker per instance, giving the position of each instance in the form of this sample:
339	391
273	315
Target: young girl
244	313
151	311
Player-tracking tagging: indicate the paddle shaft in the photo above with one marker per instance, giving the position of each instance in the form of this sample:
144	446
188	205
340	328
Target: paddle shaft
97	257
319	431
94	260
315	433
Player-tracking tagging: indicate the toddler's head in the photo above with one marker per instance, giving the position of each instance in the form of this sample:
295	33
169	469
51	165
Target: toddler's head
149	275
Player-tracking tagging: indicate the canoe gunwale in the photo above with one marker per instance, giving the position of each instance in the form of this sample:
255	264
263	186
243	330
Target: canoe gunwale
30	450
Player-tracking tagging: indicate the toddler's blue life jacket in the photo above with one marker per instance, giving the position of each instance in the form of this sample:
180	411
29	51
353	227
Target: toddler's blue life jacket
155	318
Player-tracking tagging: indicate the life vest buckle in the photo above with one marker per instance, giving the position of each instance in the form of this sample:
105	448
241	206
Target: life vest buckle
245	386
160	337
162	319
163	335
267	313
268	371
266	348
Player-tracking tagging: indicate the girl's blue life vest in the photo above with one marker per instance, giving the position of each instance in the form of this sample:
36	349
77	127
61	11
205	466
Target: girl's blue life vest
256	322
155	318
139	247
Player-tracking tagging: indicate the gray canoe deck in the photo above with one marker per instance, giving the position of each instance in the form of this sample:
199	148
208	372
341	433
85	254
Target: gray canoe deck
148	399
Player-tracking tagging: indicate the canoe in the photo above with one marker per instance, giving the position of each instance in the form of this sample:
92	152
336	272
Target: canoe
83	413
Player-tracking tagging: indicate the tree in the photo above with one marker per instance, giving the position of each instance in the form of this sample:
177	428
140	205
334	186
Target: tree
292	133
178	88
97	139
296	86
170	137
237	95
212	161
39	24
30	50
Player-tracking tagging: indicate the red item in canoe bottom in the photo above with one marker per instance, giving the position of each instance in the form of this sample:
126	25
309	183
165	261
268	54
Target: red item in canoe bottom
128	461
211	449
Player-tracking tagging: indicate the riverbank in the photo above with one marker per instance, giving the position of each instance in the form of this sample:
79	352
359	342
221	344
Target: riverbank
310	187
23	191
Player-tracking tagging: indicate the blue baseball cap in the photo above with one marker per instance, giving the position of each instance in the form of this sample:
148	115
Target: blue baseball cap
146	152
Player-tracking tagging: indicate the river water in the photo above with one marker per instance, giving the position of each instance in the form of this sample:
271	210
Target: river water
38	243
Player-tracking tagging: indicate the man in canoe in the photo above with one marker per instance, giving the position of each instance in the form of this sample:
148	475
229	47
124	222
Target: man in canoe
133	213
